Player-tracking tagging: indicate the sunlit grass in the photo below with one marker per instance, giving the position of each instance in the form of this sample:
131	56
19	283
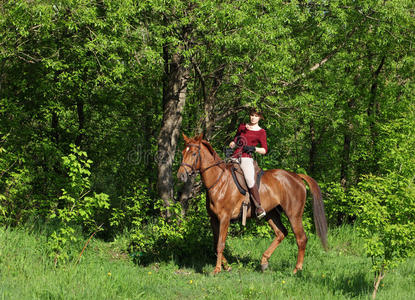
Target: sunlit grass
105	272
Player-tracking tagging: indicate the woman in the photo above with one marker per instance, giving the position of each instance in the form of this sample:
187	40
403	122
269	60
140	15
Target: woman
246	141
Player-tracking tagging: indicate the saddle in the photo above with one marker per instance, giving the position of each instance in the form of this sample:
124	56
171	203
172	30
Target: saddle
239	179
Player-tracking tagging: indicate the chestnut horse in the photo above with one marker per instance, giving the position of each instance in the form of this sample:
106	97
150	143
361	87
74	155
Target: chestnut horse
279	188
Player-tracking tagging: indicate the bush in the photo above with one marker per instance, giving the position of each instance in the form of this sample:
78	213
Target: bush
385	211
338	204
178	237
75	207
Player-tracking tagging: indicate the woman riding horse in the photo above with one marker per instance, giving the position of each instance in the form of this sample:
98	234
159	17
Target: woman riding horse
280	191
246	140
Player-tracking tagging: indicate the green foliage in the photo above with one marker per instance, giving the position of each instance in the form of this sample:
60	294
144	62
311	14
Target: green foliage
398	142
385	211
75	208
162	239
385	205
133	210
15	180
338	203
133	214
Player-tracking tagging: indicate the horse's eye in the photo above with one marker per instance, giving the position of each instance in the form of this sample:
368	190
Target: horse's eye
193	154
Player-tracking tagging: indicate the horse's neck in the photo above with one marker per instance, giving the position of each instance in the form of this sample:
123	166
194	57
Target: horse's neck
212	167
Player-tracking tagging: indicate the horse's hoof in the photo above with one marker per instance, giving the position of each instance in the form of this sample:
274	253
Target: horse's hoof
216	271
227	268
264	267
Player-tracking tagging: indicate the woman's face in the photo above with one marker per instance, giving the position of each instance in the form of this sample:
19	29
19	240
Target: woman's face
254	118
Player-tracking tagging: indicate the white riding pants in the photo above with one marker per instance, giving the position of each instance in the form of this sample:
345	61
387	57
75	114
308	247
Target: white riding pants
247	166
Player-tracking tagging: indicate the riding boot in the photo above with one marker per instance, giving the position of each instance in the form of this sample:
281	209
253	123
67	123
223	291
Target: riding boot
260	212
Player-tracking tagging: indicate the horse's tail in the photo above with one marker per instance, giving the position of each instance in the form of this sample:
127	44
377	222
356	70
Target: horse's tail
318	210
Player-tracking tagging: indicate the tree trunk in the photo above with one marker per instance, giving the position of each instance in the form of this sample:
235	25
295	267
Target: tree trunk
372	112
207	126
209	99
55	128
378	278
81	121
209	121
173	104
313	149
344	169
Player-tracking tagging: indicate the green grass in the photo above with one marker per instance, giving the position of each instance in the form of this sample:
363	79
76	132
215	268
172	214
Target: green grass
105	272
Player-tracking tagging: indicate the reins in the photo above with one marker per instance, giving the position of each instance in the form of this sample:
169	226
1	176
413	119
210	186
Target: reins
194	168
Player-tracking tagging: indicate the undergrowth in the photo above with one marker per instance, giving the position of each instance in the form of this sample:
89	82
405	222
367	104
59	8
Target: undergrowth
106	270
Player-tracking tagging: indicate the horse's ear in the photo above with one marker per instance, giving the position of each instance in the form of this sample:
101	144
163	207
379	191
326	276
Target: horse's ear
199	137
186	139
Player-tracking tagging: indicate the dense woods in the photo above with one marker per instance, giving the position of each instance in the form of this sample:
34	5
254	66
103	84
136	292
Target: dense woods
94	96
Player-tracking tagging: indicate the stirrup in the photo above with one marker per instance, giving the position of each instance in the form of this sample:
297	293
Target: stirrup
262	214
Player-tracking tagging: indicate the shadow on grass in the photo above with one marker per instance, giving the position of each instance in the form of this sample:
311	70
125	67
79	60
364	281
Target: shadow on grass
192	254
200	257
356	284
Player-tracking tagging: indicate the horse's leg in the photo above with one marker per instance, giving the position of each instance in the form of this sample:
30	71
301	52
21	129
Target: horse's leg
215	230
280	231
301	238
223	232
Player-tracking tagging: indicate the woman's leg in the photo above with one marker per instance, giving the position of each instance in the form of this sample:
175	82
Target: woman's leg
247	166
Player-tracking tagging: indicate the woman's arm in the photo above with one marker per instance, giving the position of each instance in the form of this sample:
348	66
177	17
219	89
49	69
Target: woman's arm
263	140
238	133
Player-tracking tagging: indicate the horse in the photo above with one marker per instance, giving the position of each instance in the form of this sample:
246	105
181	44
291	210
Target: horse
278	189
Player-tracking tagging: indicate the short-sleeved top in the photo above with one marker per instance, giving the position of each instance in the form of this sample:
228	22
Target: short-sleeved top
246	137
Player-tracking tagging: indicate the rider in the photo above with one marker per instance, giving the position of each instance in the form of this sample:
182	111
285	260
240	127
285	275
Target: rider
246	140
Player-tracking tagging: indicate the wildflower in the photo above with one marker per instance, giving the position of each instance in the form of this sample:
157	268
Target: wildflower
323	275
190	281
109	273
149	273
283	282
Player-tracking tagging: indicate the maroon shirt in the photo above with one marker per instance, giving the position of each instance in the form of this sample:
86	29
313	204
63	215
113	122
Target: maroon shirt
244	136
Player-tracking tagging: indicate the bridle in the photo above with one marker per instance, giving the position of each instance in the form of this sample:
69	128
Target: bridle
194	167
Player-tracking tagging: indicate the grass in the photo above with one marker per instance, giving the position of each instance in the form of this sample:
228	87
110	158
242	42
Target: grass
105	272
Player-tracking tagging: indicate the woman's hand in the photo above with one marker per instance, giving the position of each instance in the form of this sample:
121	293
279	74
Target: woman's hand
253	149
261	151
228	152
249	149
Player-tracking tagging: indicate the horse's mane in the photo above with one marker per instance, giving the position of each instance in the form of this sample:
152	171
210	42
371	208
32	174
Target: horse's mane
211	150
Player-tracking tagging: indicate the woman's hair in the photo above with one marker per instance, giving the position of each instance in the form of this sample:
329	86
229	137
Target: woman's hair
256	111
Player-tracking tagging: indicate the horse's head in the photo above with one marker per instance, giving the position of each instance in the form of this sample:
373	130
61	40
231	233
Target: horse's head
191	161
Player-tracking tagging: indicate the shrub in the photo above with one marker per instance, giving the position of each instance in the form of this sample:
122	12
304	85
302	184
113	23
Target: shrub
385	211
76	207
178	237
338	203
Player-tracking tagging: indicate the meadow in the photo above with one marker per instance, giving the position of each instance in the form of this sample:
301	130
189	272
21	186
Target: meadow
106	271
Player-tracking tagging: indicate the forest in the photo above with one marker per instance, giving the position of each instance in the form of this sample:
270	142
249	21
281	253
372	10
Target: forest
95	96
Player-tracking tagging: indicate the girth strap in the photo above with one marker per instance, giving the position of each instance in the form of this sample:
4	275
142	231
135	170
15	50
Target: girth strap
258	178
240	188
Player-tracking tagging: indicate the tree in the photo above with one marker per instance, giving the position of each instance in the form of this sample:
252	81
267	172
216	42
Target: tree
385	212
385	205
